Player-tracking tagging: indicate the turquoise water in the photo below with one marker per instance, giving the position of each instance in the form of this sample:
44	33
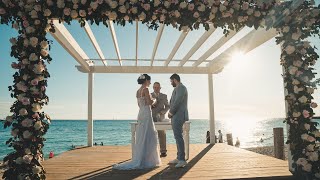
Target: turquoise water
64	133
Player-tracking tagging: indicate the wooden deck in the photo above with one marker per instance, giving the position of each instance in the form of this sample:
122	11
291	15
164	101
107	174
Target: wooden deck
206	162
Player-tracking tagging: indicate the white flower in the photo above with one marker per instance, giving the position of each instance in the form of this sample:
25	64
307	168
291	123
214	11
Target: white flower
245	6
9	119
306	44
37	125
142	76
201	8
94	5
295	36
310	147
314	156
286	29
162	18
134	10
212	16
44	44
50	2
307	167
214	9
196	15
36	107
13	41
30	29
83	1
27	134
191	7
297	90
297	63
113	4
27	123
167	4
33	41
142	16
38	68
295	82
302	161
236	6
75	1
303	99
292	70
183	5
257	13
307	126
36	170
154	17
74	14
146	7
34	14
47	12
44	53
33	57
310	90
37	22
25	101
176	13
250	11
126	18
27	158
290	49
122	9
314	105
133	1
113	15
67	11
184	28
23	112
296	114
19	160
82	13
2	11
15	132
222	8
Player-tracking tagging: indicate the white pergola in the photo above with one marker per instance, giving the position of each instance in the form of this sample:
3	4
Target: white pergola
202	65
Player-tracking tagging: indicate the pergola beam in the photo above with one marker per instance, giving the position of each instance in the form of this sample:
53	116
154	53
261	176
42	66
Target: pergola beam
249	42
94	42
156	44
182	37
115	41
197	45
214	48
137	40
63	36
147	69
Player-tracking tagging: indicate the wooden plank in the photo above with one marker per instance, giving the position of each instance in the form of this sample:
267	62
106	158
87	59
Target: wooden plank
63	36
115	41
206	162
249	42
147	69
197	45
156	44
183	35
95	43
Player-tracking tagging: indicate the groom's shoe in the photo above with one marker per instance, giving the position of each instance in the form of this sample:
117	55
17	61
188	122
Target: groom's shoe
181	164
163	155
175	161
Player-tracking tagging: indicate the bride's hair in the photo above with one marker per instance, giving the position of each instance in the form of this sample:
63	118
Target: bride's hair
143	77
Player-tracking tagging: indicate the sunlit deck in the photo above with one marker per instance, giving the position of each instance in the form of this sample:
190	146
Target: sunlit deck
206	162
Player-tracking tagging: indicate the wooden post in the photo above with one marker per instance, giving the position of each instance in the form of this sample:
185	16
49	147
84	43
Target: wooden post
278	143
229	139
90	104
211	110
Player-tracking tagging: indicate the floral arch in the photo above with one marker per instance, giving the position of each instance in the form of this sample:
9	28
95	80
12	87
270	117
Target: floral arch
294	21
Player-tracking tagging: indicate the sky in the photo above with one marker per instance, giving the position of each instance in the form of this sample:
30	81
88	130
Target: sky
250	87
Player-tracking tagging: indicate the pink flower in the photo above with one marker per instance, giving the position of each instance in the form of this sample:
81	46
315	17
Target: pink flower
314	105
14	65
146	7
34	82
311	139
27	123
305	113
2	11
67	11
35	116
25	24
27	159
25	101
14	132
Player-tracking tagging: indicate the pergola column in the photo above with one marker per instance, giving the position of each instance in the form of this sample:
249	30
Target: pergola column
90	118
211	109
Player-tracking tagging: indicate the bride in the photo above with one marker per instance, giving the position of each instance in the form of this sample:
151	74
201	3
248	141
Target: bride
145	150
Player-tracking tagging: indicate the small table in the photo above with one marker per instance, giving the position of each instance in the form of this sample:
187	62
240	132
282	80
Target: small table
164	126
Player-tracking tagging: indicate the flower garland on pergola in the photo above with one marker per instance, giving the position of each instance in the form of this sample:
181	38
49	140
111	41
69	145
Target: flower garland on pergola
294	21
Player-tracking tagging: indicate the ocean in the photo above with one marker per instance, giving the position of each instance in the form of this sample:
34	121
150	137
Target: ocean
62	134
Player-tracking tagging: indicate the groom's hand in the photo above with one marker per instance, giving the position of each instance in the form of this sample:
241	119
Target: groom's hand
169	115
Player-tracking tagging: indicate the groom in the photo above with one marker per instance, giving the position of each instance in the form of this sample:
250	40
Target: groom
179	114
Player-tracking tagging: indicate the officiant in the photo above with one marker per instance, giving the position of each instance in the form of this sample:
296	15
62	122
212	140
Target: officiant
159	108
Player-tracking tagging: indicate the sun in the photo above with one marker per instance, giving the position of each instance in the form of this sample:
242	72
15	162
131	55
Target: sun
238	57
237	61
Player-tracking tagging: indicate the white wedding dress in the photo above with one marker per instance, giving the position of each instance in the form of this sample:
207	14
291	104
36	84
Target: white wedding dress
146	154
